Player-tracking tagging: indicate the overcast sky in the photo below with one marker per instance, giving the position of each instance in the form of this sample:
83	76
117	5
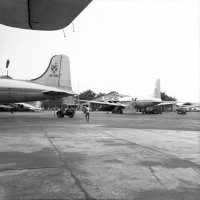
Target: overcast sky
120	45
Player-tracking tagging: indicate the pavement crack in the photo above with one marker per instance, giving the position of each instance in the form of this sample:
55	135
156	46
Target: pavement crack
156	177
66	166
78	183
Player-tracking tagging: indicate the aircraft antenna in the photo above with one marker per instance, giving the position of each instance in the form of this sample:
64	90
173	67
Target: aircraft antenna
7	64
64	32
78	90
73	27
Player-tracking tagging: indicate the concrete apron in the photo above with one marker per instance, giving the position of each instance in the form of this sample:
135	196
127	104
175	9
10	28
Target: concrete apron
89	161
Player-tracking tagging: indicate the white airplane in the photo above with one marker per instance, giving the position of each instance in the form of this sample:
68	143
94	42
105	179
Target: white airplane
5	107
148	101
27	107
137	103
54	83
40	15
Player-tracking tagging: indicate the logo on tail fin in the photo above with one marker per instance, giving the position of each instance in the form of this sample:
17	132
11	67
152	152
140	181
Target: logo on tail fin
54	68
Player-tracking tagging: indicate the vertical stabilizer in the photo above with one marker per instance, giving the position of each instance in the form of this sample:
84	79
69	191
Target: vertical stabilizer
57	73
157	91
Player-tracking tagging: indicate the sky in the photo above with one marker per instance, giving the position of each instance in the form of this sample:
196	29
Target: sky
117	45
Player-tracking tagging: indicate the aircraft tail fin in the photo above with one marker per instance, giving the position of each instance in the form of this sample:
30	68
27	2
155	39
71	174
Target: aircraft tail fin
157	91
57	74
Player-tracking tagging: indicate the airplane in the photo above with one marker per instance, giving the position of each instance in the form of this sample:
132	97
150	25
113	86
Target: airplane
19	107
130	103
149	101
26	107
153	101
40	15
4	107
54	83
103	105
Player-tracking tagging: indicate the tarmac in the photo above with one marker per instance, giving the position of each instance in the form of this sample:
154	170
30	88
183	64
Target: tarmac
113	156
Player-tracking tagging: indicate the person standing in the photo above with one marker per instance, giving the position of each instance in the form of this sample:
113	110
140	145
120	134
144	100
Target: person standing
87	113
11	110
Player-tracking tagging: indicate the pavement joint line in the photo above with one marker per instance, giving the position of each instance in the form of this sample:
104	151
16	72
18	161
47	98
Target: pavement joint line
77	181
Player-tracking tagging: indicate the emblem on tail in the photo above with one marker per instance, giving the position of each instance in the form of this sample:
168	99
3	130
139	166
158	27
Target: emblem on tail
54	68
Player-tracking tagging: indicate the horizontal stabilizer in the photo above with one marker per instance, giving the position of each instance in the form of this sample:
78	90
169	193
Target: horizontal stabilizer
53	93
58	93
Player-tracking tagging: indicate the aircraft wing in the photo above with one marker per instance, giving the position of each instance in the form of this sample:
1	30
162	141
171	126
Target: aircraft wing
189	106
40	14
103	103
108	103
166	103
5	106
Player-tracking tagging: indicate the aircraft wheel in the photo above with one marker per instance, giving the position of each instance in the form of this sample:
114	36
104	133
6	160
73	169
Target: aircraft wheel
60	114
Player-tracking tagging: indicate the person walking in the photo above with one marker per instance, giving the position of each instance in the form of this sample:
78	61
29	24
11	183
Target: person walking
87	113
12	111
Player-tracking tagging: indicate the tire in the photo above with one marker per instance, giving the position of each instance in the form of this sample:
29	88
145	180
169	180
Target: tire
60	114
71	115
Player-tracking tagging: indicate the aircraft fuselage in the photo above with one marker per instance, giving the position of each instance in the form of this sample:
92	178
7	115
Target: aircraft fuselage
147	103
12	91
